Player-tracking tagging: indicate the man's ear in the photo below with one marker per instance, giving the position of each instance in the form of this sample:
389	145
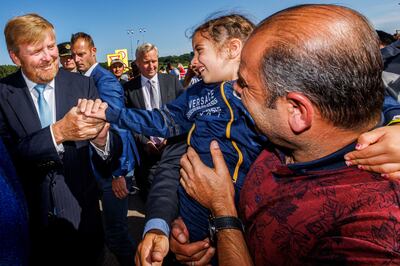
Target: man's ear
300	112
94	50
14	57
234	48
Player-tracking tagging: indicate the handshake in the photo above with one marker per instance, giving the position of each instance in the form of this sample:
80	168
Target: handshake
92	108
85	121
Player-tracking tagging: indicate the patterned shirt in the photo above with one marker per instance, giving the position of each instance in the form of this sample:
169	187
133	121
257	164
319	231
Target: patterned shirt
320	212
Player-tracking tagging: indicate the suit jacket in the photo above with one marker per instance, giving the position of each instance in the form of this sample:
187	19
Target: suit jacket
170	89
162	201
111	91
61	185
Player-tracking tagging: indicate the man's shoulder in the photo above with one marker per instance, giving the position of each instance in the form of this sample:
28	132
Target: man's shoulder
71	81
11	84
63	74
170	83
167	77
12	78
102	76
134	84
101	70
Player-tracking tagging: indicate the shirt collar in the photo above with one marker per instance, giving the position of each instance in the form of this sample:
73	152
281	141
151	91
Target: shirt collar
153	79
90	70
31	85
330	162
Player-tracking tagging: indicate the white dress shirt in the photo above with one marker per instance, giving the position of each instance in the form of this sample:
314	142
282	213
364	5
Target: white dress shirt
146	98
146	93
90	70
49	96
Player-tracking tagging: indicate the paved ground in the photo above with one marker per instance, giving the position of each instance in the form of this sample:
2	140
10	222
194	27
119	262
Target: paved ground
136	223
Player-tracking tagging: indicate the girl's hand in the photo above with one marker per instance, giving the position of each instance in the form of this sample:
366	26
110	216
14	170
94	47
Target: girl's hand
378	151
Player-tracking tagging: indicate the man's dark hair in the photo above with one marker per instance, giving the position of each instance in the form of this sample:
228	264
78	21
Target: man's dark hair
385	38
135	69
81	35
337	65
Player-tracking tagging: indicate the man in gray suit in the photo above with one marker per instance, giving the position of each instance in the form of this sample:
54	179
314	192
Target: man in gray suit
148	91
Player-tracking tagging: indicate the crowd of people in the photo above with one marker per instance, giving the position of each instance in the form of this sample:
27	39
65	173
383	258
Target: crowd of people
277	146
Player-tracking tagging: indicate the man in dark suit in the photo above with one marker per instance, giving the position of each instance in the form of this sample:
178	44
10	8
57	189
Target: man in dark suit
115	186
148	91
47	138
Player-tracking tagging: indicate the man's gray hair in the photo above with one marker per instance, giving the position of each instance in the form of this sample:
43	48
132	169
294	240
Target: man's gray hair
145	48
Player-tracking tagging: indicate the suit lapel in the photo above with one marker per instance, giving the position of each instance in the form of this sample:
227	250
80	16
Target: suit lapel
65	98
139	93
163	89
22	103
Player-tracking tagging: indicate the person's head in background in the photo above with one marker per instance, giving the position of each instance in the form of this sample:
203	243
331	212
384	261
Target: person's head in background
217	45
182	71
385	38
135	71
31	44
117	67
169	67
66	60
83	51
147	59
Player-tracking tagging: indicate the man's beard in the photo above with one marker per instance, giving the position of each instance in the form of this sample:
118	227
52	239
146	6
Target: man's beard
42	76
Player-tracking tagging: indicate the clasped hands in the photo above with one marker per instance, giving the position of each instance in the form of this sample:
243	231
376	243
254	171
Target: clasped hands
85	121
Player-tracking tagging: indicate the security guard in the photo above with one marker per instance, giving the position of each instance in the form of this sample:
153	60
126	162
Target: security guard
66	60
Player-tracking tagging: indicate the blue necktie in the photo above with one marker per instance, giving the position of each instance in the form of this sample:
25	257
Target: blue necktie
44	108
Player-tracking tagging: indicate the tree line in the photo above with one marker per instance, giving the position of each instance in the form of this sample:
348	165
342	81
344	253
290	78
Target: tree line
6	70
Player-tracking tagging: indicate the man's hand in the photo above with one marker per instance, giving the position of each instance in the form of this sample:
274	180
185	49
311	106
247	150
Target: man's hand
378	151
101	139
212	188
94	109
152	249
76	126
197	253
119	187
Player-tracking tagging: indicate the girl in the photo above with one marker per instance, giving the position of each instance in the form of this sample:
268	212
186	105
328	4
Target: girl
209	110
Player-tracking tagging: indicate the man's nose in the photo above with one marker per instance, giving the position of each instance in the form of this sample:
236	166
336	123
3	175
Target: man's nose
193	62
46	55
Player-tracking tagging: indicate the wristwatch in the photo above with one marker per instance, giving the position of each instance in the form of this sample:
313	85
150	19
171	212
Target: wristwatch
216	224
114	177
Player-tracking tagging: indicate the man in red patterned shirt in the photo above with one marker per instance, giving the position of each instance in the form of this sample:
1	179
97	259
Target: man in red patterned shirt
319	87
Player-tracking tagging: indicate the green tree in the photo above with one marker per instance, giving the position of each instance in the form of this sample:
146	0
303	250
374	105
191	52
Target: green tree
6	70
184	59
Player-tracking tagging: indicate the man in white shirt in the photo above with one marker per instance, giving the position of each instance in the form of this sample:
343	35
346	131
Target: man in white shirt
148	91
